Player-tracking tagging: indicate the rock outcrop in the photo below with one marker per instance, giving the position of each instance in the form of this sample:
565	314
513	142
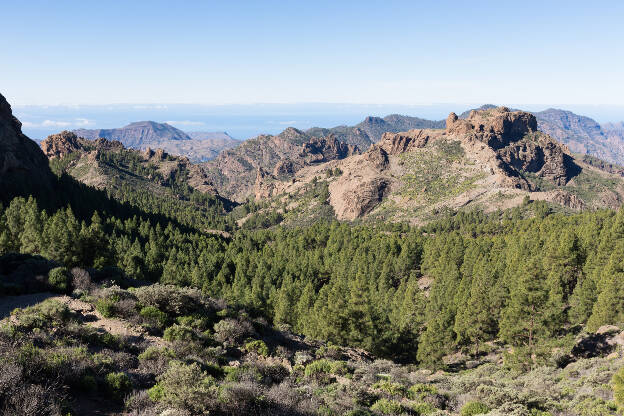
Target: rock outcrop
324	149
357	199
23	166
60	145
496	127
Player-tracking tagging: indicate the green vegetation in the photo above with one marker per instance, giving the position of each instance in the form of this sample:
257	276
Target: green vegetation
431	176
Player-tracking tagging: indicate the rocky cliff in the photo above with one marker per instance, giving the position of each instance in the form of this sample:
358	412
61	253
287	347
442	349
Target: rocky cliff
23	166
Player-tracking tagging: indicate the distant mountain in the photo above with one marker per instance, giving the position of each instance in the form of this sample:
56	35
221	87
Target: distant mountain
202	147
583	134
197	146
211	135
372	128
137	135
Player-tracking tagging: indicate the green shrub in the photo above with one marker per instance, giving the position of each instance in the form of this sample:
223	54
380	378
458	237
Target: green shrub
178	333
474	408
88	383
152	353
185	386
246	371
118	385
106	307
617	381
422	408
322	366
393	389
50	312
258	346
387	407
58	278
154	316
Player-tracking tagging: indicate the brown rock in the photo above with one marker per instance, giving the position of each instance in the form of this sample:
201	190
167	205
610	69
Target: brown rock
62	144
497	127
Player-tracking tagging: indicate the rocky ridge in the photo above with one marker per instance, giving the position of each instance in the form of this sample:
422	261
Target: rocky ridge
491	159
245	170
88	158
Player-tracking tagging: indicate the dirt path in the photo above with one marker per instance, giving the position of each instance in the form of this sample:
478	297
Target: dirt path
87	313
113	326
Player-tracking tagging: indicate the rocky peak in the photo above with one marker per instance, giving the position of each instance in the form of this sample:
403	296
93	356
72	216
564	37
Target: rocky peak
61	144
327	148
497	127
396	143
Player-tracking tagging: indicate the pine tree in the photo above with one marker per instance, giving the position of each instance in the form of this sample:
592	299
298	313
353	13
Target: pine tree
609	306
476	320
525	317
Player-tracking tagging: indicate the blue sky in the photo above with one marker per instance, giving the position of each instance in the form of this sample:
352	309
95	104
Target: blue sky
385	52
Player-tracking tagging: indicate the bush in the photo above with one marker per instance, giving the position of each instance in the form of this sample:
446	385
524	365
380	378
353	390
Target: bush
417	391
618	388
387	407
173	300
393	389
185	386
423	408
118	385
258	346
48	313
58	278
474	408
178	333
231	331
106	307
154	316
324	366
153	353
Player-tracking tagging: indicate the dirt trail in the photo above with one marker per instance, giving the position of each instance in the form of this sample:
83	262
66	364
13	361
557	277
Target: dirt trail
87	313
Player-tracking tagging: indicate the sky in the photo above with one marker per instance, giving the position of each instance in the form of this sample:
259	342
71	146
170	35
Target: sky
360	52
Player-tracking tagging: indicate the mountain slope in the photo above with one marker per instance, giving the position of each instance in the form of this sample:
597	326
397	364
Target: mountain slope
581	134
23	167
234	171
152	179
493	159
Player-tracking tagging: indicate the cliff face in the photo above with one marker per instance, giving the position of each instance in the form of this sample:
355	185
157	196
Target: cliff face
23	166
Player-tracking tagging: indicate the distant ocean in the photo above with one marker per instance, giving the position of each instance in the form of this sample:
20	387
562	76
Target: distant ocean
245	121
